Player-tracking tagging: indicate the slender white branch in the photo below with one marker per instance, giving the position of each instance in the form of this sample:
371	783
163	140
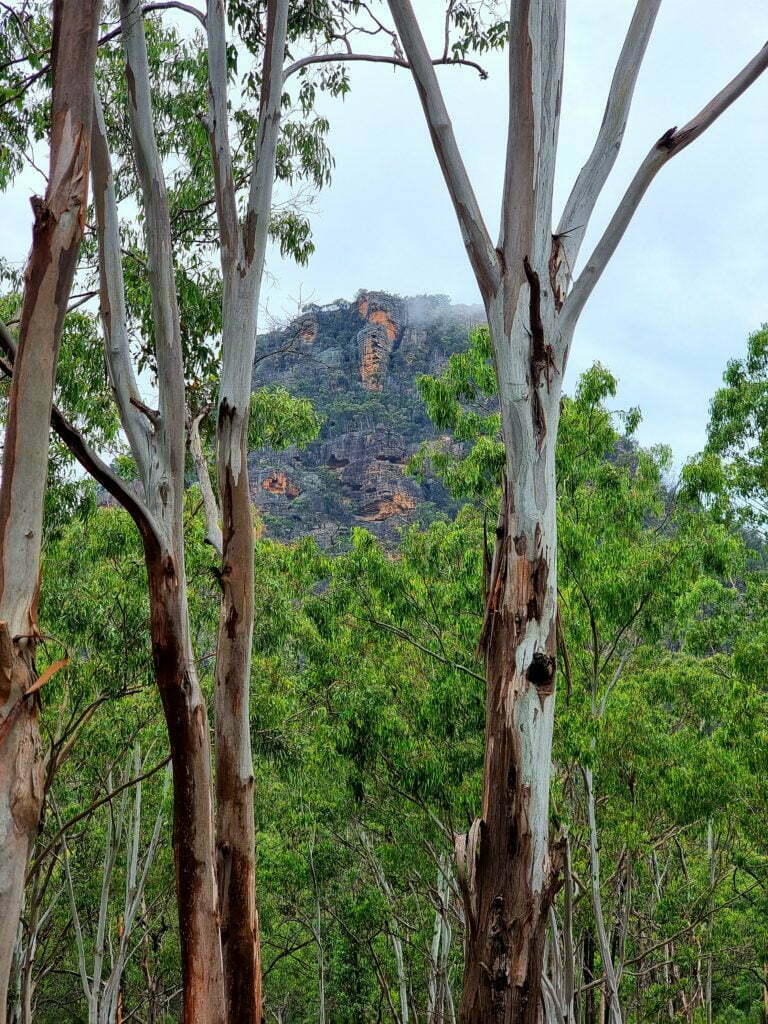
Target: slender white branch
111	843
79	943
112	299
614	1008
670	144
240	311
157	229
263	171
477	241
593	175
210	505
226	206
394	928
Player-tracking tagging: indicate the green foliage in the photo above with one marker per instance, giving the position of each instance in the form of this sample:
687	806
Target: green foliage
278	420
367	725
738	428
460	401
367	693
25	39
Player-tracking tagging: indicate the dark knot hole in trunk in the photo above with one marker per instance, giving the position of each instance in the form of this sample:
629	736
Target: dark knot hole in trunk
541	671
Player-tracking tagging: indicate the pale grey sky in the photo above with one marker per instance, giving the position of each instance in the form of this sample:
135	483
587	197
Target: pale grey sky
690	279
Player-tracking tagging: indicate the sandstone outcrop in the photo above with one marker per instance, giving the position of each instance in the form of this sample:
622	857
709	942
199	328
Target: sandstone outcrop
358	362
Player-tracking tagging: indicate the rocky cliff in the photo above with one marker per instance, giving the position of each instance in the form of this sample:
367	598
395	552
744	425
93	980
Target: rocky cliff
357	361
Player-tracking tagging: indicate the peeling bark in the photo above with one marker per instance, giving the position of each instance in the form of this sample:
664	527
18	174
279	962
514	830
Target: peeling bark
514	872
505	867
57	231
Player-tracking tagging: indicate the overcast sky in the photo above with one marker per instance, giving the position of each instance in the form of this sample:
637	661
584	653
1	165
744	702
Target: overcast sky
690	279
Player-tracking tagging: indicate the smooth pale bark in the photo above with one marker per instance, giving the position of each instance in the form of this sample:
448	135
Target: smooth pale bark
102	994
392	924
507	867
606	953
243	248
58	229
439	997
159	448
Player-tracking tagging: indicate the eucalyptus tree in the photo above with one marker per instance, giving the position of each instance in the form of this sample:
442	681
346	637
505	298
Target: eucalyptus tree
651	690
533	300
219	930
215	864
59	219
144	281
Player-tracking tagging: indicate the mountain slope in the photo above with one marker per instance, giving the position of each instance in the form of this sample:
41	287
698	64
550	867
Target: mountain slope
357	361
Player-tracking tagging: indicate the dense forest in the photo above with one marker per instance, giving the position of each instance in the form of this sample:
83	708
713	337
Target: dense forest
361	669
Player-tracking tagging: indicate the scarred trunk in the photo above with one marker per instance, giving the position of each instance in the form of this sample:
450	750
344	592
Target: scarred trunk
235	829
509	872
187	723
58	229
514	879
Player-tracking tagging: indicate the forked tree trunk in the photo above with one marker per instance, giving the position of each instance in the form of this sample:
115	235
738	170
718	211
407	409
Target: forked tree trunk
533	304
58	229
243	248
158	444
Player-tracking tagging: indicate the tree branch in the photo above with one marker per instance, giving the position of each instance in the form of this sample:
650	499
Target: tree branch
379	58
241	300
256	228
212	515
593	175
157	231
670	144
477	241
88	459
421	647
226	206
35	865
148	8
535	74
112	300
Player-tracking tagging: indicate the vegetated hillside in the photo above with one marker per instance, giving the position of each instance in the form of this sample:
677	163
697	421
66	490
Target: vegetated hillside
358	362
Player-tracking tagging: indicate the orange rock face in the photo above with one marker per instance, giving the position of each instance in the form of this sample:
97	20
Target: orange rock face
379	316
370	362
398	505
278	483
376	347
